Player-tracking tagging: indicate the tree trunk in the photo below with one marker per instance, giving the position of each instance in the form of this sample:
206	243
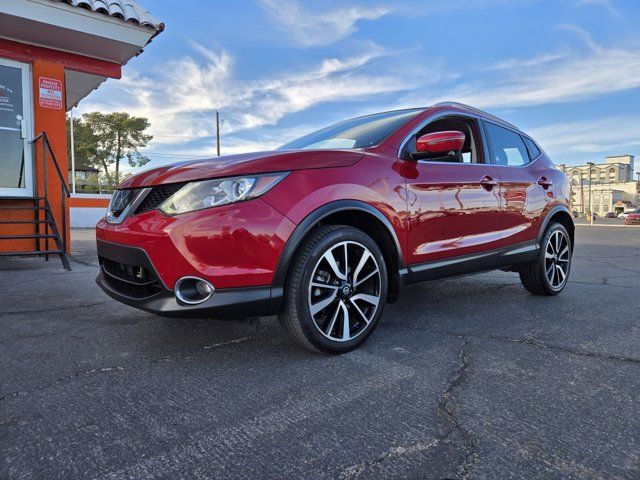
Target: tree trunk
118	153
106	171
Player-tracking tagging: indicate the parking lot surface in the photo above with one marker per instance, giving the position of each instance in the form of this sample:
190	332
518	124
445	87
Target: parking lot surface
464	378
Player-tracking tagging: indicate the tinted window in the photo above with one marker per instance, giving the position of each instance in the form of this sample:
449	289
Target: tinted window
507	147
534	151
358	132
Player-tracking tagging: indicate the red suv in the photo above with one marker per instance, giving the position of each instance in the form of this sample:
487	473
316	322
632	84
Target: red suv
328	228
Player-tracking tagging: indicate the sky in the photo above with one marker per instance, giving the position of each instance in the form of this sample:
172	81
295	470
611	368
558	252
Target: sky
565	71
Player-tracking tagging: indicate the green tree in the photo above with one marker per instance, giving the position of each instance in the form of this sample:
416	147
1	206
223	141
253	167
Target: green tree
103	140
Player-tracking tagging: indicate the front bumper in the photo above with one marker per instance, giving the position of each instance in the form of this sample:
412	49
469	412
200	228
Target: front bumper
127	275
232	246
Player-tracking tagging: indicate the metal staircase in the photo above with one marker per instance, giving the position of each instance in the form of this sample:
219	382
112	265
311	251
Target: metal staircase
47	239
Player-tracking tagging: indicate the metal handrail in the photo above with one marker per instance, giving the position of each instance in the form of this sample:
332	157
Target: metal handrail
63	182
65	193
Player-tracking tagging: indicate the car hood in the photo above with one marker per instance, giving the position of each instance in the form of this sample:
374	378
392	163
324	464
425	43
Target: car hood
244	164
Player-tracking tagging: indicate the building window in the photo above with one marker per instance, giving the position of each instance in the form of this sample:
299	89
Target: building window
596	208
612	174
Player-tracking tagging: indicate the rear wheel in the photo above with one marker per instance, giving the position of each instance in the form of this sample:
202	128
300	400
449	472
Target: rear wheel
335	291
549	272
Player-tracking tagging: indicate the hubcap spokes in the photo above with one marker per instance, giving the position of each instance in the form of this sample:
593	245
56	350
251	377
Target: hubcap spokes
557	259
344	292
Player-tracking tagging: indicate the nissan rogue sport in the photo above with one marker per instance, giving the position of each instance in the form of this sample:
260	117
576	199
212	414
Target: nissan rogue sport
328	228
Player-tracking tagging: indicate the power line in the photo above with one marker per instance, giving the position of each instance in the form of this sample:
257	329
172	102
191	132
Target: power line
179	136
159	154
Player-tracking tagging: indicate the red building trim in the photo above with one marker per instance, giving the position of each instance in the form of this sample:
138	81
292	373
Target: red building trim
28	53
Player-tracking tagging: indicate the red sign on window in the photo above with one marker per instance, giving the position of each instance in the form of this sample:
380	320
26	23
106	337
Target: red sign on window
50	93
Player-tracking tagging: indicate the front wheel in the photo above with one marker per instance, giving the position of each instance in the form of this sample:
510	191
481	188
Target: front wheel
335	291
549	272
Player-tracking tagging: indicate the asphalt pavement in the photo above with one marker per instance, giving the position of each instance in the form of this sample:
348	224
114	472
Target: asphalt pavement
465	378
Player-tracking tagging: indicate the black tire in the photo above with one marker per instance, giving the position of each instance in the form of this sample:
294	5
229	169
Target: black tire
311	263
535	276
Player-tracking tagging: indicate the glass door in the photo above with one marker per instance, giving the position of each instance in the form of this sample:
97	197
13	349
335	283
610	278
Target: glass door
16	164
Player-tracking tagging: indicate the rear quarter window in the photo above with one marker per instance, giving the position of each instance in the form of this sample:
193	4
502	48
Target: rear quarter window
534	151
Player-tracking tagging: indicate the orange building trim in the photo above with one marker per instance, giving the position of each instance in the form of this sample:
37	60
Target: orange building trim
78	202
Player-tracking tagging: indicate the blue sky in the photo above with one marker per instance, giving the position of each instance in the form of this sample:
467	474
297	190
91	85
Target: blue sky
566	71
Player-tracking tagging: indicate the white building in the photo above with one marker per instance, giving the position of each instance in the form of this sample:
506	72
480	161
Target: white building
604	187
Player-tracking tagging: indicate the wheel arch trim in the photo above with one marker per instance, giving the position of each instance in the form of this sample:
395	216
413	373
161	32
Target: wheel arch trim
311	221
548	217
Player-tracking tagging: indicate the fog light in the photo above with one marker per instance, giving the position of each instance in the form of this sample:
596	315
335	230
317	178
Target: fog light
193	290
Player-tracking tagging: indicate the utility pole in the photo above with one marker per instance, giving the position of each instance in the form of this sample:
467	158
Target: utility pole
218	131
582	207
73	154
591	164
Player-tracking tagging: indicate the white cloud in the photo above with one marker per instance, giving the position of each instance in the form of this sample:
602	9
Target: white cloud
568	79
607	4
510	64
311	28
607	135
181	100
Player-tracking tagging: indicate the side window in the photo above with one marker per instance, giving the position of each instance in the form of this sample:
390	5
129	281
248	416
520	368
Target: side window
534	151
507	147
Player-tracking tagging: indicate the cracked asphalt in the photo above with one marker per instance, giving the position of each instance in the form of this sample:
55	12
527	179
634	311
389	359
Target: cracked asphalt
468	378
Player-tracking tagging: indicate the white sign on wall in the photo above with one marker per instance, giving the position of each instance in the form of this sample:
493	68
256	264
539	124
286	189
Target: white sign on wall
50	93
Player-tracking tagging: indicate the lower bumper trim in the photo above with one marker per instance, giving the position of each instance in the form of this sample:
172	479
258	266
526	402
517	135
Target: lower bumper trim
231	302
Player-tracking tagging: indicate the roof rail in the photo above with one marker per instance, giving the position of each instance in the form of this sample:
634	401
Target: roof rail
475	110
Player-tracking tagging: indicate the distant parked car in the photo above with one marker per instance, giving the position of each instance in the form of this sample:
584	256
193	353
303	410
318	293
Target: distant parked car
575	213
610	215
633	218
626	213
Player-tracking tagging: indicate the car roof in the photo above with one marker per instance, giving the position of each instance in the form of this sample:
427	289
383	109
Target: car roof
477	112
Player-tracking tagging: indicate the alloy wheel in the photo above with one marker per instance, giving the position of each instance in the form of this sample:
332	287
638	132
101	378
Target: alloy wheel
344	292
557	259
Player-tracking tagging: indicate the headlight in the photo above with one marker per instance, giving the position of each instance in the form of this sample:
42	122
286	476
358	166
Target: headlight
213	193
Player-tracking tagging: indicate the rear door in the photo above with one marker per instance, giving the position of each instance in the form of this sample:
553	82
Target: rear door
523	185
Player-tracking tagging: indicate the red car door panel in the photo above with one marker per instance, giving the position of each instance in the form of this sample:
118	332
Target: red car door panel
453	210
522	201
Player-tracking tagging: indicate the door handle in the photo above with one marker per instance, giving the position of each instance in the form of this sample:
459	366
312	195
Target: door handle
488	183
544	183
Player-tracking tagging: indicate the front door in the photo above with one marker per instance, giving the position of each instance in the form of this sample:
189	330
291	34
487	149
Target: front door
453	205
16	165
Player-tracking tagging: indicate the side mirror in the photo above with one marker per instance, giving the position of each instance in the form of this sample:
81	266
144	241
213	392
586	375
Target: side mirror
440	142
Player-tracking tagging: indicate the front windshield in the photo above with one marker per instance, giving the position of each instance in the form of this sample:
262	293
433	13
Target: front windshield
358	132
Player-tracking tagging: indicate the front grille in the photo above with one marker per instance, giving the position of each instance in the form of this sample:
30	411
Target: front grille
157	196
120	201
131	280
